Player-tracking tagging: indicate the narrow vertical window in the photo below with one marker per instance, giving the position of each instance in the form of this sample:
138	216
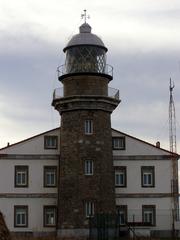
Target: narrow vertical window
50	176
122	214
149	214
21	176
49	216
20	216
89	209
88	167
120	177
88	126
147	176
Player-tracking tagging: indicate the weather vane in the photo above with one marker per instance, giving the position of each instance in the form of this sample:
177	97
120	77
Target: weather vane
85	16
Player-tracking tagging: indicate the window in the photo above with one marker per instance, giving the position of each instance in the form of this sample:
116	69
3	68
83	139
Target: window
147	176
89	208
50	142
88	167
118	143
49	216
122	214
21	176
120	177
149	214
88	126
20	216
50	176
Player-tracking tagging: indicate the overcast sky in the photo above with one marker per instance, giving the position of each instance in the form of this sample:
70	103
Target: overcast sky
143	41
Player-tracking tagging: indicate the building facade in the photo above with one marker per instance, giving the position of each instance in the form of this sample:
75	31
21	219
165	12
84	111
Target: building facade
142	184
55	181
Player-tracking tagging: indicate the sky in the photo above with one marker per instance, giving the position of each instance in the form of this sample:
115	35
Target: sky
143	41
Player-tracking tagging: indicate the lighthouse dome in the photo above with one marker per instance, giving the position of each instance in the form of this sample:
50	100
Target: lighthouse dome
85	37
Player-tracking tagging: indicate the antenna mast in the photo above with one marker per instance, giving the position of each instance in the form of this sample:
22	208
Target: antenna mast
172	120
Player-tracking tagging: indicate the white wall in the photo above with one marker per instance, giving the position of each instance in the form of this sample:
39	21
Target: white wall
163	210
36	176
34	145
163	176
35	209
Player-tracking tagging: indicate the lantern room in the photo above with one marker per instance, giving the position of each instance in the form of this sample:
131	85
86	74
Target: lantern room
85	53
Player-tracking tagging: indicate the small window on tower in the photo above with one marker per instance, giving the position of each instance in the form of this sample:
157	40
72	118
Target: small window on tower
118	143
89	209
50	142
88	167
88	126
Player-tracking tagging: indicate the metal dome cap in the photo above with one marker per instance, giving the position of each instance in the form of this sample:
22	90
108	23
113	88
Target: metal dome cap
85	37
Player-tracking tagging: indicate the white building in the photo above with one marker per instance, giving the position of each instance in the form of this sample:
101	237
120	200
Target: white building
143	184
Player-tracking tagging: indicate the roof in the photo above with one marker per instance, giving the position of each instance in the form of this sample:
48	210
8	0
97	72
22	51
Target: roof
145	142
125	134
85	37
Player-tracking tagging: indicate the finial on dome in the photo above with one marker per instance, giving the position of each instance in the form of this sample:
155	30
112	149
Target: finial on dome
85	16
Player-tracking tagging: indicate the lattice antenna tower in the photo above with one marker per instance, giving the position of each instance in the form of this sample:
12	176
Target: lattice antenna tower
172	119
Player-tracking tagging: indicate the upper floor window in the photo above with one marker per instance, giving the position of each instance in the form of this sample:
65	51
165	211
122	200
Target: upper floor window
89	208
49	216
88	126
88	167
50	142
20	216
149	214
120	176
21	176
122	214
118	143
50	176
147	176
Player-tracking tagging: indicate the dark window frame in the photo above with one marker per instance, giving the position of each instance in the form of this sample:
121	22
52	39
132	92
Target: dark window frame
124	170
123	208
46	146
17	169
86	173
149	208
88	126
121	139
92	202
25	207
151	170
47	207
45	170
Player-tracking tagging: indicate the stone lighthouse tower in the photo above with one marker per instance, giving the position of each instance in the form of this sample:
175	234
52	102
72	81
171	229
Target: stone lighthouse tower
86	176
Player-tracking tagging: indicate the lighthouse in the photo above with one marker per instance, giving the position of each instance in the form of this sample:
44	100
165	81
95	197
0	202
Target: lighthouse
86	175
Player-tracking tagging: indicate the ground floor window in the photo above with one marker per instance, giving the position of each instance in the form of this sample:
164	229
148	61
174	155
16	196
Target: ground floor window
49	216
89	208
149	215
20	216
122	214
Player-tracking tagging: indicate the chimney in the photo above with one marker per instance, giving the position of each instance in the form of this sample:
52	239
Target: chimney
158	144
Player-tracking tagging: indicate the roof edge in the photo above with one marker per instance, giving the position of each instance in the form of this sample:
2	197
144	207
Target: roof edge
27	139
150	144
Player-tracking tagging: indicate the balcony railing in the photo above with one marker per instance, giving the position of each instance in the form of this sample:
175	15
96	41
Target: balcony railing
84	68
112	93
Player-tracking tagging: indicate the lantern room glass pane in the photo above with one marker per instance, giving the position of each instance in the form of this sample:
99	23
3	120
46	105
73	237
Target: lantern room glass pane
85	59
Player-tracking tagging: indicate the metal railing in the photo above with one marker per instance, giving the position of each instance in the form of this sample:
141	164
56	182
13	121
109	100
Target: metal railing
83	68
112	93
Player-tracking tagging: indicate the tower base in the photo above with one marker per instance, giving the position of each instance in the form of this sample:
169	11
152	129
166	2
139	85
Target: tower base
73	233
